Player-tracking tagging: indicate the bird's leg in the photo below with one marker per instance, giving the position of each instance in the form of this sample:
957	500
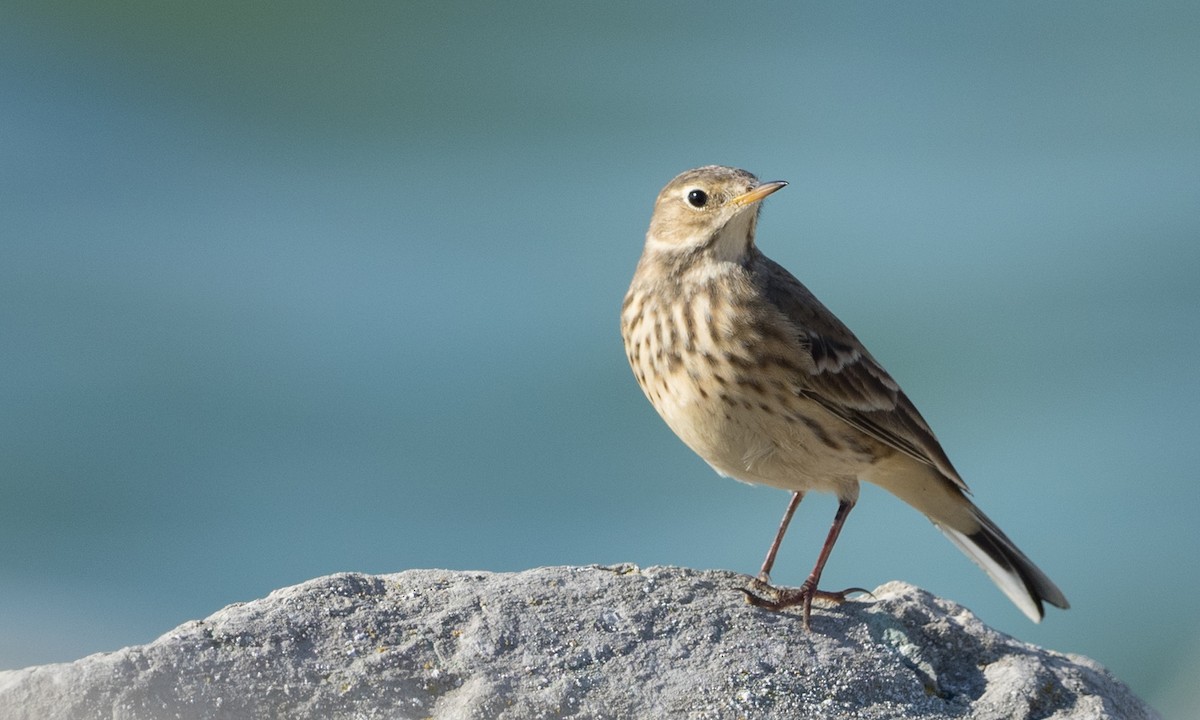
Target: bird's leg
780	598
764	575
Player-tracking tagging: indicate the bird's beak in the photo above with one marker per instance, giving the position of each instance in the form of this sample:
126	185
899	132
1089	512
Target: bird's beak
758	193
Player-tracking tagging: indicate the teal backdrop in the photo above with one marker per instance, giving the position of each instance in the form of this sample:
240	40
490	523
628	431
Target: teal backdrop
291	289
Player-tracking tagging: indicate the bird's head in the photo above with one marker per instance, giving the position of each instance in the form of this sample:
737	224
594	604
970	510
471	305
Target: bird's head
712	209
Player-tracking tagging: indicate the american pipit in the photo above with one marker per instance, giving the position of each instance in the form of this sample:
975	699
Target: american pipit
763	382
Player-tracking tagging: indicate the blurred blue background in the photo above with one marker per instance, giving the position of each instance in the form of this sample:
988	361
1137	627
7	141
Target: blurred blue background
289	290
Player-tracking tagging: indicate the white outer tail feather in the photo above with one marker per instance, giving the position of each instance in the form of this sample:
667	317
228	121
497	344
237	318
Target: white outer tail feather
1006	579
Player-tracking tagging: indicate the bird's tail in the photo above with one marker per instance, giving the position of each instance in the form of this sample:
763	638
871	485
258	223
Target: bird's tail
1015	574
945	503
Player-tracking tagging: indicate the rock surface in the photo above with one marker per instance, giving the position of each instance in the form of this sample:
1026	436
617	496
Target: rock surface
570	642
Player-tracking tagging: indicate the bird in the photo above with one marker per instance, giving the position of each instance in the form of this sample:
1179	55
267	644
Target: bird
769	387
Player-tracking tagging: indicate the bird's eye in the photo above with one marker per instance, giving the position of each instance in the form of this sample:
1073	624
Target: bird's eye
697	198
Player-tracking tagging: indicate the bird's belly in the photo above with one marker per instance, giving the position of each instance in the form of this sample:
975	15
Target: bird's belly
764	435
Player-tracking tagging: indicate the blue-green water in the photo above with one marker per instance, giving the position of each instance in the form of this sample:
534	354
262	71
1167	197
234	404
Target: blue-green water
287	291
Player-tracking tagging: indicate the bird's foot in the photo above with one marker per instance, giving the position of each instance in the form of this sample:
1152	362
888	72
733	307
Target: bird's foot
761	593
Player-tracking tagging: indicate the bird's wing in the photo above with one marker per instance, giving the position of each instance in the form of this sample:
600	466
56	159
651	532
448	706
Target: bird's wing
844	378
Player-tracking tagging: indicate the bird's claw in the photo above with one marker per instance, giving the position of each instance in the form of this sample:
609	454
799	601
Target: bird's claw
761	593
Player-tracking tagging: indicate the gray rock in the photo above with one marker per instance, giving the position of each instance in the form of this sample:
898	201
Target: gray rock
570	642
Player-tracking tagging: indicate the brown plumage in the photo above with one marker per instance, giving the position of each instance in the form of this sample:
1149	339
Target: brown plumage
761	380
